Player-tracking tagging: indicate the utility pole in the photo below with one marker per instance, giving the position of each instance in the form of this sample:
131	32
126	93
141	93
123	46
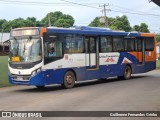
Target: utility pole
1	36
105	14
49	20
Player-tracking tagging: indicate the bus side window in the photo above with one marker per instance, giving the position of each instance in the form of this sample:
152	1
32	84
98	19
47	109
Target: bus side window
139	44
118	44
73	43
86	44
129	44
49	49
92	45
149	44
105	44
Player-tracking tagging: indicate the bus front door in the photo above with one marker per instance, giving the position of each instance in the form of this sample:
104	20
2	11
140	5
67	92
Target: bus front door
92	52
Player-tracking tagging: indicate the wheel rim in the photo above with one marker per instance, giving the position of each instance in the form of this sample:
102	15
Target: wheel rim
69	79
127	72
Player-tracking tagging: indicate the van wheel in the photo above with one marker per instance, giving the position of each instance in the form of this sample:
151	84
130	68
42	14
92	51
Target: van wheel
69	80
127	73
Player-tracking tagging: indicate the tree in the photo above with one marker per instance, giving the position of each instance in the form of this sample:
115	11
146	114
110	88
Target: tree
2	27
7	26
17	23
118	23
96	23
142	28
58	19
30	22
33	19
136	28
158	37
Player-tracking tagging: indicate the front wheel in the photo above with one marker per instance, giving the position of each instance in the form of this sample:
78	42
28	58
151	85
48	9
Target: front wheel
127	73
69	80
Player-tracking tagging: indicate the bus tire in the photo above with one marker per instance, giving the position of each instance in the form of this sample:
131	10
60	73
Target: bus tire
40	87
126	74
69	80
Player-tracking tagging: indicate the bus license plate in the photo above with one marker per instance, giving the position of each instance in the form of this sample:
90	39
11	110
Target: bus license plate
19	78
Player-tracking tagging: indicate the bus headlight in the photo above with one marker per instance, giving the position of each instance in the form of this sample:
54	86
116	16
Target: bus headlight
36	71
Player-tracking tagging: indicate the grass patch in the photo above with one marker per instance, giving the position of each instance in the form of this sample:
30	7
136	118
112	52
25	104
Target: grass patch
4	71
158	64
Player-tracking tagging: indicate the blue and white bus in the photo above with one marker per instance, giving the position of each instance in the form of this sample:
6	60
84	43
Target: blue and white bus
43	56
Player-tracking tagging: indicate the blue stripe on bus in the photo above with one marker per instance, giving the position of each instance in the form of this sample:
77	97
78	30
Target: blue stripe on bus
56	76
91	32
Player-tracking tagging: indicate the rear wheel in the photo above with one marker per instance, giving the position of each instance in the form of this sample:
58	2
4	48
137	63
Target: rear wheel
127	73
69	80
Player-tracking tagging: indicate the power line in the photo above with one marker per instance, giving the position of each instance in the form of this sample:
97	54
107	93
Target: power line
80	4
74	3
13	1
147	14
134	11
137	13
38	3
126	8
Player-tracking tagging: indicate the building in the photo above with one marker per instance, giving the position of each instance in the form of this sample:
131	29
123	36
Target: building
4	37
4	48
158	50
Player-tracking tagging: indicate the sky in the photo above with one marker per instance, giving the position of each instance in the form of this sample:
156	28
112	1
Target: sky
137	11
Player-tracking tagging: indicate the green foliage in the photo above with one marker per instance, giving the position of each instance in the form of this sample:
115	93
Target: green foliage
118	23
96	23
158	64
136	28
142	28
2	21
17	23
3	71
57	19
158	37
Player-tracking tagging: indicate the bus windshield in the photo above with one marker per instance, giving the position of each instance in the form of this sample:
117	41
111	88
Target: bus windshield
25	50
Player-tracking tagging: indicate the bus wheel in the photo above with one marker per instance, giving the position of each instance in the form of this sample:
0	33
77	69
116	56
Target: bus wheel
69	80
127	73
40	87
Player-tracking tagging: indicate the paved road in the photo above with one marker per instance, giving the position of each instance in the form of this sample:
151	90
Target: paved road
141	93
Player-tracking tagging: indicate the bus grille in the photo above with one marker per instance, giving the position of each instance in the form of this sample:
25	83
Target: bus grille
20	77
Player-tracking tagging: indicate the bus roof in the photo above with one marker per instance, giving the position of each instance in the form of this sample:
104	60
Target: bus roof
90	31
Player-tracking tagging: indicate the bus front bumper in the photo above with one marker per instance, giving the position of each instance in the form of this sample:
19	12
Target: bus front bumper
36	80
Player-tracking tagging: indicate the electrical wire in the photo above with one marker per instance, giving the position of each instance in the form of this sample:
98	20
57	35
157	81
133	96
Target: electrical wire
39	3
80	4
69	3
